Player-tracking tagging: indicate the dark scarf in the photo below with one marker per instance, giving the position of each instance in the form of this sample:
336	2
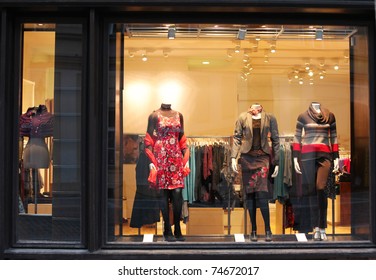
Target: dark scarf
322	117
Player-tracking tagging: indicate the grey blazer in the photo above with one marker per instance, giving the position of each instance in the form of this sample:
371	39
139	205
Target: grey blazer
243	136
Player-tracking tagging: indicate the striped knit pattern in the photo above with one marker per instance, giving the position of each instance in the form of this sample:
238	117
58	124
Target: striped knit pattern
315	138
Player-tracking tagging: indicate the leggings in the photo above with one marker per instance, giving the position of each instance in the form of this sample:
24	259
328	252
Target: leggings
176	198
254	200
315	175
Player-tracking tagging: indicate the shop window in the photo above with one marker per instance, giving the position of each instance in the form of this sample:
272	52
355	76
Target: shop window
49	193
214	78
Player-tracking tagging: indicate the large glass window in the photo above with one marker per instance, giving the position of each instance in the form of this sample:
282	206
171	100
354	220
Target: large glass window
49	193
220	130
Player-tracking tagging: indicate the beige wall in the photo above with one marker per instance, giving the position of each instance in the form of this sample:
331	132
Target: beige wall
38	67
211	100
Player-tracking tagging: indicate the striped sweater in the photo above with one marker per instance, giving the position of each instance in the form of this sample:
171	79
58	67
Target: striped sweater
315	135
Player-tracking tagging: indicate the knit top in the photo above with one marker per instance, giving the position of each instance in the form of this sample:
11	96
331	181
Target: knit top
316	135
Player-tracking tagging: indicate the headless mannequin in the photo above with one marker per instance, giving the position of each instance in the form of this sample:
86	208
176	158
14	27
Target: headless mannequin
319	232
173	194
252	199
36	124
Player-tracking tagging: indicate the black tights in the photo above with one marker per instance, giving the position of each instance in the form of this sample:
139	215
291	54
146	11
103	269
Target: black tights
176	198
263	203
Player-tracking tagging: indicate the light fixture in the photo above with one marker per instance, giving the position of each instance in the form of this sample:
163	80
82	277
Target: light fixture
241	34
131	54
257	38
266	57
237	49
144	58
171	33
273	44
336	67
229	53
319	34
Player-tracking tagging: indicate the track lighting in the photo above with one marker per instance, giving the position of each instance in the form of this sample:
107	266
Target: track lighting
319	34
144	58
241	34
171	33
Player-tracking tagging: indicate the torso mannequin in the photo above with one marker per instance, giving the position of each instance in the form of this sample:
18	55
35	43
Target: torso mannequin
255	111
317	107
37	124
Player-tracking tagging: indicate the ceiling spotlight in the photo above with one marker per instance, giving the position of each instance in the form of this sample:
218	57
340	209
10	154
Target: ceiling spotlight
171	33
241	34
336	67
131	54
319	34
257	38
272	49
237	49
144	58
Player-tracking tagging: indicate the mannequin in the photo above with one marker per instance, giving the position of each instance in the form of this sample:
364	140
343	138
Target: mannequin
166	147
315	151
251	135
36	124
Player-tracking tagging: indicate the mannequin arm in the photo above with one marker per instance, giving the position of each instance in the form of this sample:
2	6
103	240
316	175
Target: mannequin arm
234	165
275	173
296	166
336	165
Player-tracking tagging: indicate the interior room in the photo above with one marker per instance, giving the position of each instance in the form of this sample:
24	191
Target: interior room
212	73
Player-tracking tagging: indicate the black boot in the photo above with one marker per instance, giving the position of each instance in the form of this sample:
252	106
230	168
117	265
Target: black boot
177	232
167	235
253	236
268	236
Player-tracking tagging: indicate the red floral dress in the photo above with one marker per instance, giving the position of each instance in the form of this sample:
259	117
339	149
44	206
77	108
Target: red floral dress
167	152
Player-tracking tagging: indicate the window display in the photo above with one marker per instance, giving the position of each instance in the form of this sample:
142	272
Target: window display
49	134
211	80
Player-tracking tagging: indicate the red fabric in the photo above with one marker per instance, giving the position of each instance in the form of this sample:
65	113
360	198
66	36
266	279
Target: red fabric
152	179
149	142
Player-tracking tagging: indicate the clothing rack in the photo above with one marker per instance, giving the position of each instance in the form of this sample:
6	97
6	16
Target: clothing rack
208	139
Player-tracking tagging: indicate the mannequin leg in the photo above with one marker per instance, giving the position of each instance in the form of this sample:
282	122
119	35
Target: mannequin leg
251	206
322	201
177	204
167	232
264	207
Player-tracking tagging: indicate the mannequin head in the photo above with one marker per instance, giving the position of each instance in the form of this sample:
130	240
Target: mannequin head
255	110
